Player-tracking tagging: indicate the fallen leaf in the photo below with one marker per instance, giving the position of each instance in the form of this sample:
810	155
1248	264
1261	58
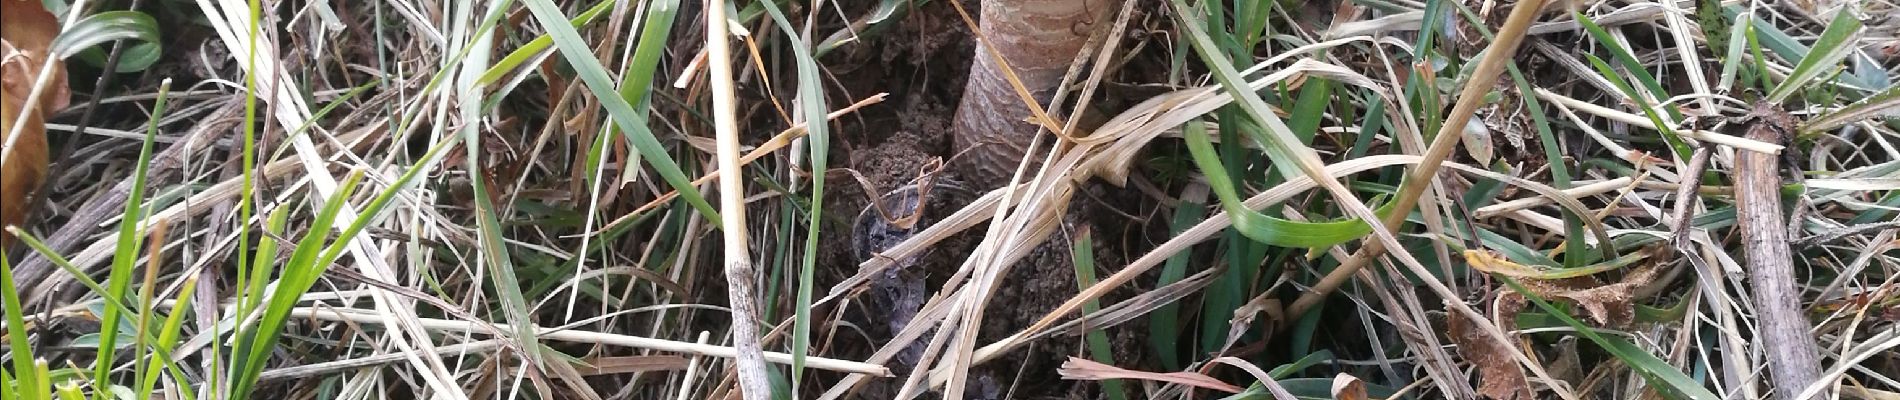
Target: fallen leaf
30	29
1085	370
1498	374
26	38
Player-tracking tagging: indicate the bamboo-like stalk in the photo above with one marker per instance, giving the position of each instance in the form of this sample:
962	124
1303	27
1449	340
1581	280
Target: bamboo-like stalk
740	291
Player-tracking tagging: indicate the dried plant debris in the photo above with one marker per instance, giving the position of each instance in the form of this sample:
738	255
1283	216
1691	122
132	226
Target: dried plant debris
1499	376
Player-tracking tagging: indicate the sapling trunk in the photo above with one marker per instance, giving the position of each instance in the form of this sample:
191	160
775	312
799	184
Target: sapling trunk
1038	39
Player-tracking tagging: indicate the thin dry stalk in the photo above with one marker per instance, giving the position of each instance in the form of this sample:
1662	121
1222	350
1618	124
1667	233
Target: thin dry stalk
754	382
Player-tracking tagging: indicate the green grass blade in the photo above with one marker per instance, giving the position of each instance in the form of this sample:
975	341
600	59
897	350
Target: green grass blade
811	101
1258	226
126	254
1736	44
1651	87
1662	126
1083	252
637	84
109	26
1310	110
540	43
1885	103
1164	325
887	14
1287	370
17	342
70	391
1770	36
109	301
252	283
1834	45
256	342
578	54
493	245
168	338
6	378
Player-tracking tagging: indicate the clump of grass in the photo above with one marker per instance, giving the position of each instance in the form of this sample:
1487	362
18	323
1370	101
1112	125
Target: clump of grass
1332	206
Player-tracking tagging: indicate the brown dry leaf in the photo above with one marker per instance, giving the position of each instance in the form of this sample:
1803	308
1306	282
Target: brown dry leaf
1609	305
30	29
1612	305
1348	387
1498	374
26	37
1083	369
1245	315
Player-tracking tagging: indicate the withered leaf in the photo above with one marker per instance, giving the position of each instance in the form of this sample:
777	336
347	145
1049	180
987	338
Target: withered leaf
1498	374
26	37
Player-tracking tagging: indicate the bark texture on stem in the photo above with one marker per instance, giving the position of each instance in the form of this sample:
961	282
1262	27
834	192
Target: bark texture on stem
1038	39
1793	359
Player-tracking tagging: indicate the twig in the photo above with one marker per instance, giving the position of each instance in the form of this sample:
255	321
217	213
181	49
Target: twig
1792	355
1685	197
754	382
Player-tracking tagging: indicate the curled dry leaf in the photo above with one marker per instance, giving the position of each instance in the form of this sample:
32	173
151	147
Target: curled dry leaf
1609	305
1348	387
26	38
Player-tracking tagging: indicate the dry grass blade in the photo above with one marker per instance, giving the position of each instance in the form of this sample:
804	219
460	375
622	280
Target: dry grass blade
325	368
1586	190
1738	142
1084	369
780	141
361	316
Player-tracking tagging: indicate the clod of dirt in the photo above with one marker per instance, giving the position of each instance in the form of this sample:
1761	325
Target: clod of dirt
901	291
